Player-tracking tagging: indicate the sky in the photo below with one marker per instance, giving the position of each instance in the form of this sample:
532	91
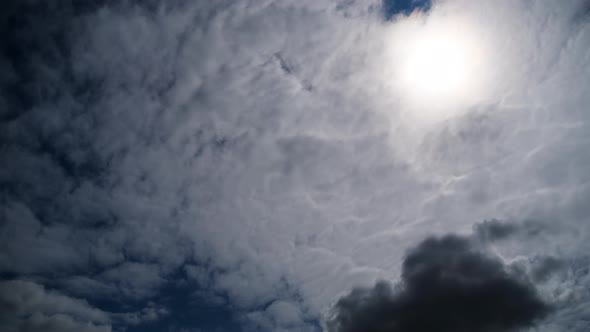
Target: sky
294	165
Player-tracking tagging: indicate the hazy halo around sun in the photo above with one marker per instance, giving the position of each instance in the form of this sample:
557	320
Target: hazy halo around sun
439	64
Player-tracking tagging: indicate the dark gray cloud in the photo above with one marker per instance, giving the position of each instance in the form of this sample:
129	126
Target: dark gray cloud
448	285
492	230
544	267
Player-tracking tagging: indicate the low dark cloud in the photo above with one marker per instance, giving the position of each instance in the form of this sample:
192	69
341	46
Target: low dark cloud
447	284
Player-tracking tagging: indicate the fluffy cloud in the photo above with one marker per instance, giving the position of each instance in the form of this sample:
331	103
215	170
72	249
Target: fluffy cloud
447	284
28	307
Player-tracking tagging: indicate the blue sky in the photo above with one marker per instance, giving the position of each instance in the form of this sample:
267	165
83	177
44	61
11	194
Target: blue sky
392	7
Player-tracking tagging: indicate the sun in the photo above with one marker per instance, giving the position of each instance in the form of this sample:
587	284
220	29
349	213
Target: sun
439	64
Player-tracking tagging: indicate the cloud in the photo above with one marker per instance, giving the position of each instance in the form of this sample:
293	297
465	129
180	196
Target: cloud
134	280
152	312
544	267
278	316
447	284
495	230
28	307
262	142
492	230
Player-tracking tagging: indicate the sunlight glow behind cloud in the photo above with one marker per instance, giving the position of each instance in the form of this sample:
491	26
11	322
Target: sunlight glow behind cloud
439	64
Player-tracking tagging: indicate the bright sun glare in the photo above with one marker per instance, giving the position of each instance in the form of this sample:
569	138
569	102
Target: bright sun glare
439	64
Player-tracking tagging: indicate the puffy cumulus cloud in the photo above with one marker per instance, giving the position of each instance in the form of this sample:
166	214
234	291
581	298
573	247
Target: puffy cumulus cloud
29	307
447	284
264	142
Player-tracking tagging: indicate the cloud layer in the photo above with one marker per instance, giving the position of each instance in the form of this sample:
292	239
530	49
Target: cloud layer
252	158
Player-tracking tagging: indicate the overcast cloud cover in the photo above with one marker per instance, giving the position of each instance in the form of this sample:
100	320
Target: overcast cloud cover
244	165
